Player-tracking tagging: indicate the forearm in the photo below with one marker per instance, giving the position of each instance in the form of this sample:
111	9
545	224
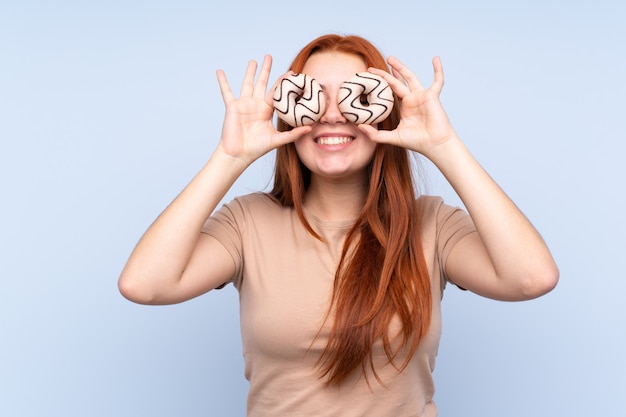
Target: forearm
162	254
517	252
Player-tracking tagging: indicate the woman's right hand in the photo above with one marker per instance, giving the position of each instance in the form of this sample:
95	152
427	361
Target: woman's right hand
248	132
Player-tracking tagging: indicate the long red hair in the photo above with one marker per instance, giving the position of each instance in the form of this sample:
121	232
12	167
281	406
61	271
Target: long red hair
382	274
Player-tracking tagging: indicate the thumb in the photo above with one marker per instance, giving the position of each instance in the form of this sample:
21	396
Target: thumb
292	135
374	134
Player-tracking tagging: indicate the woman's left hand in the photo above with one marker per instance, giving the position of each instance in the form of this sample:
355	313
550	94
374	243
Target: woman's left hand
424	124
507	259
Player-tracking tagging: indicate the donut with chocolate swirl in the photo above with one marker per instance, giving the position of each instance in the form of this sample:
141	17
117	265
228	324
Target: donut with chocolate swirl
365	98
299	100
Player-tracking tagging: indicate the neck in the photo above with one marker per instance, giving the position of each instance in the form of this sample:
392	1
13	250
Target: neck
335	200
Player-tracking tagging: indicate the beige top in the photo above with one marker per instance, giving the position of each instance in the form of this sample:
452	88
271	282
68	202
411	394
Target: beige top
285	279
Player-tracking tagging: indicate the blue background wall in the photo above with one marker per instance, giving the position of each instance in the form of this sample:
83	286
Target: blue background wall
107	109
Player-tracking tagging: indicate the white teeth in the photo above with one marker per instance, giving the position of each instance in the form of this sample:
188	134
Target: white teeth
334	141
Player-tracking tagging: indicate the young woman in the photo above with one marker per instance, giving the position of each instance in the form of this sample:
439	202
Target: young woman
341	267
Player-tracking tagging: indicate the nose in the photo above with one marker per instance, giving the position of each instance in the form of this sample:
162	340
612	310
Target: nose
332	114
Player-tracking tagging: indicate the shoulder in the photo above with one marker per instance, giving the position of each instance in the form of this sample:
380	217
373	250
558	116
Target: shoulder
256	207
242	218
256	203
433	210
428	204
444	223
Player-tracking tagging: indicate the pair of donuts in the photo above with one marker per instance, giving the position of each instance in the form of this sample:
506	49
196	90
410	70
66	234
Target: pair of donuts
365	98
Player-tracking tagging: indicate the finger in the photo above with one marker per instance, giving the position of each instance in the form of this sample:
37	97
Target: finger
227	93
260	86
375	135
398	75
288	136
269	98
405	73
397	83
248	80
438	77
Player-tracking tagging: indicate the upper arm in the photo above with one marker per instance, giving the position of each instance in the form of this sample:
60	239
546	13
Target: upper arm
209	267
468	266
516	273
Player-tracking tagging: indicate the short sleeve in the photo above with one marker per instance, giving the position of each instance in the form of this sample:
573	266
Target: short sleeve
225	225
453	224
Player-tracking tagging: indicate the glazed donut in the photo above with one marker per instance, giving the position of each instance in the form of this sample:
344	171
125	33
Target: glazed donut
365	98
299	100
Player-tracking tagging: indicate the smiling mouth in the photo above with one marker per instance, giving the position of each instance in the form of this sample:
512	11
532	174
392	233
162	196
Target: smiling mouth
333	141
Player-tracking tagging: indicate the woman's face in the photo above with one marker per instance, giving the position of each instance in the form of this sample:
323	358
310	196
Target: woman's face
335	149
